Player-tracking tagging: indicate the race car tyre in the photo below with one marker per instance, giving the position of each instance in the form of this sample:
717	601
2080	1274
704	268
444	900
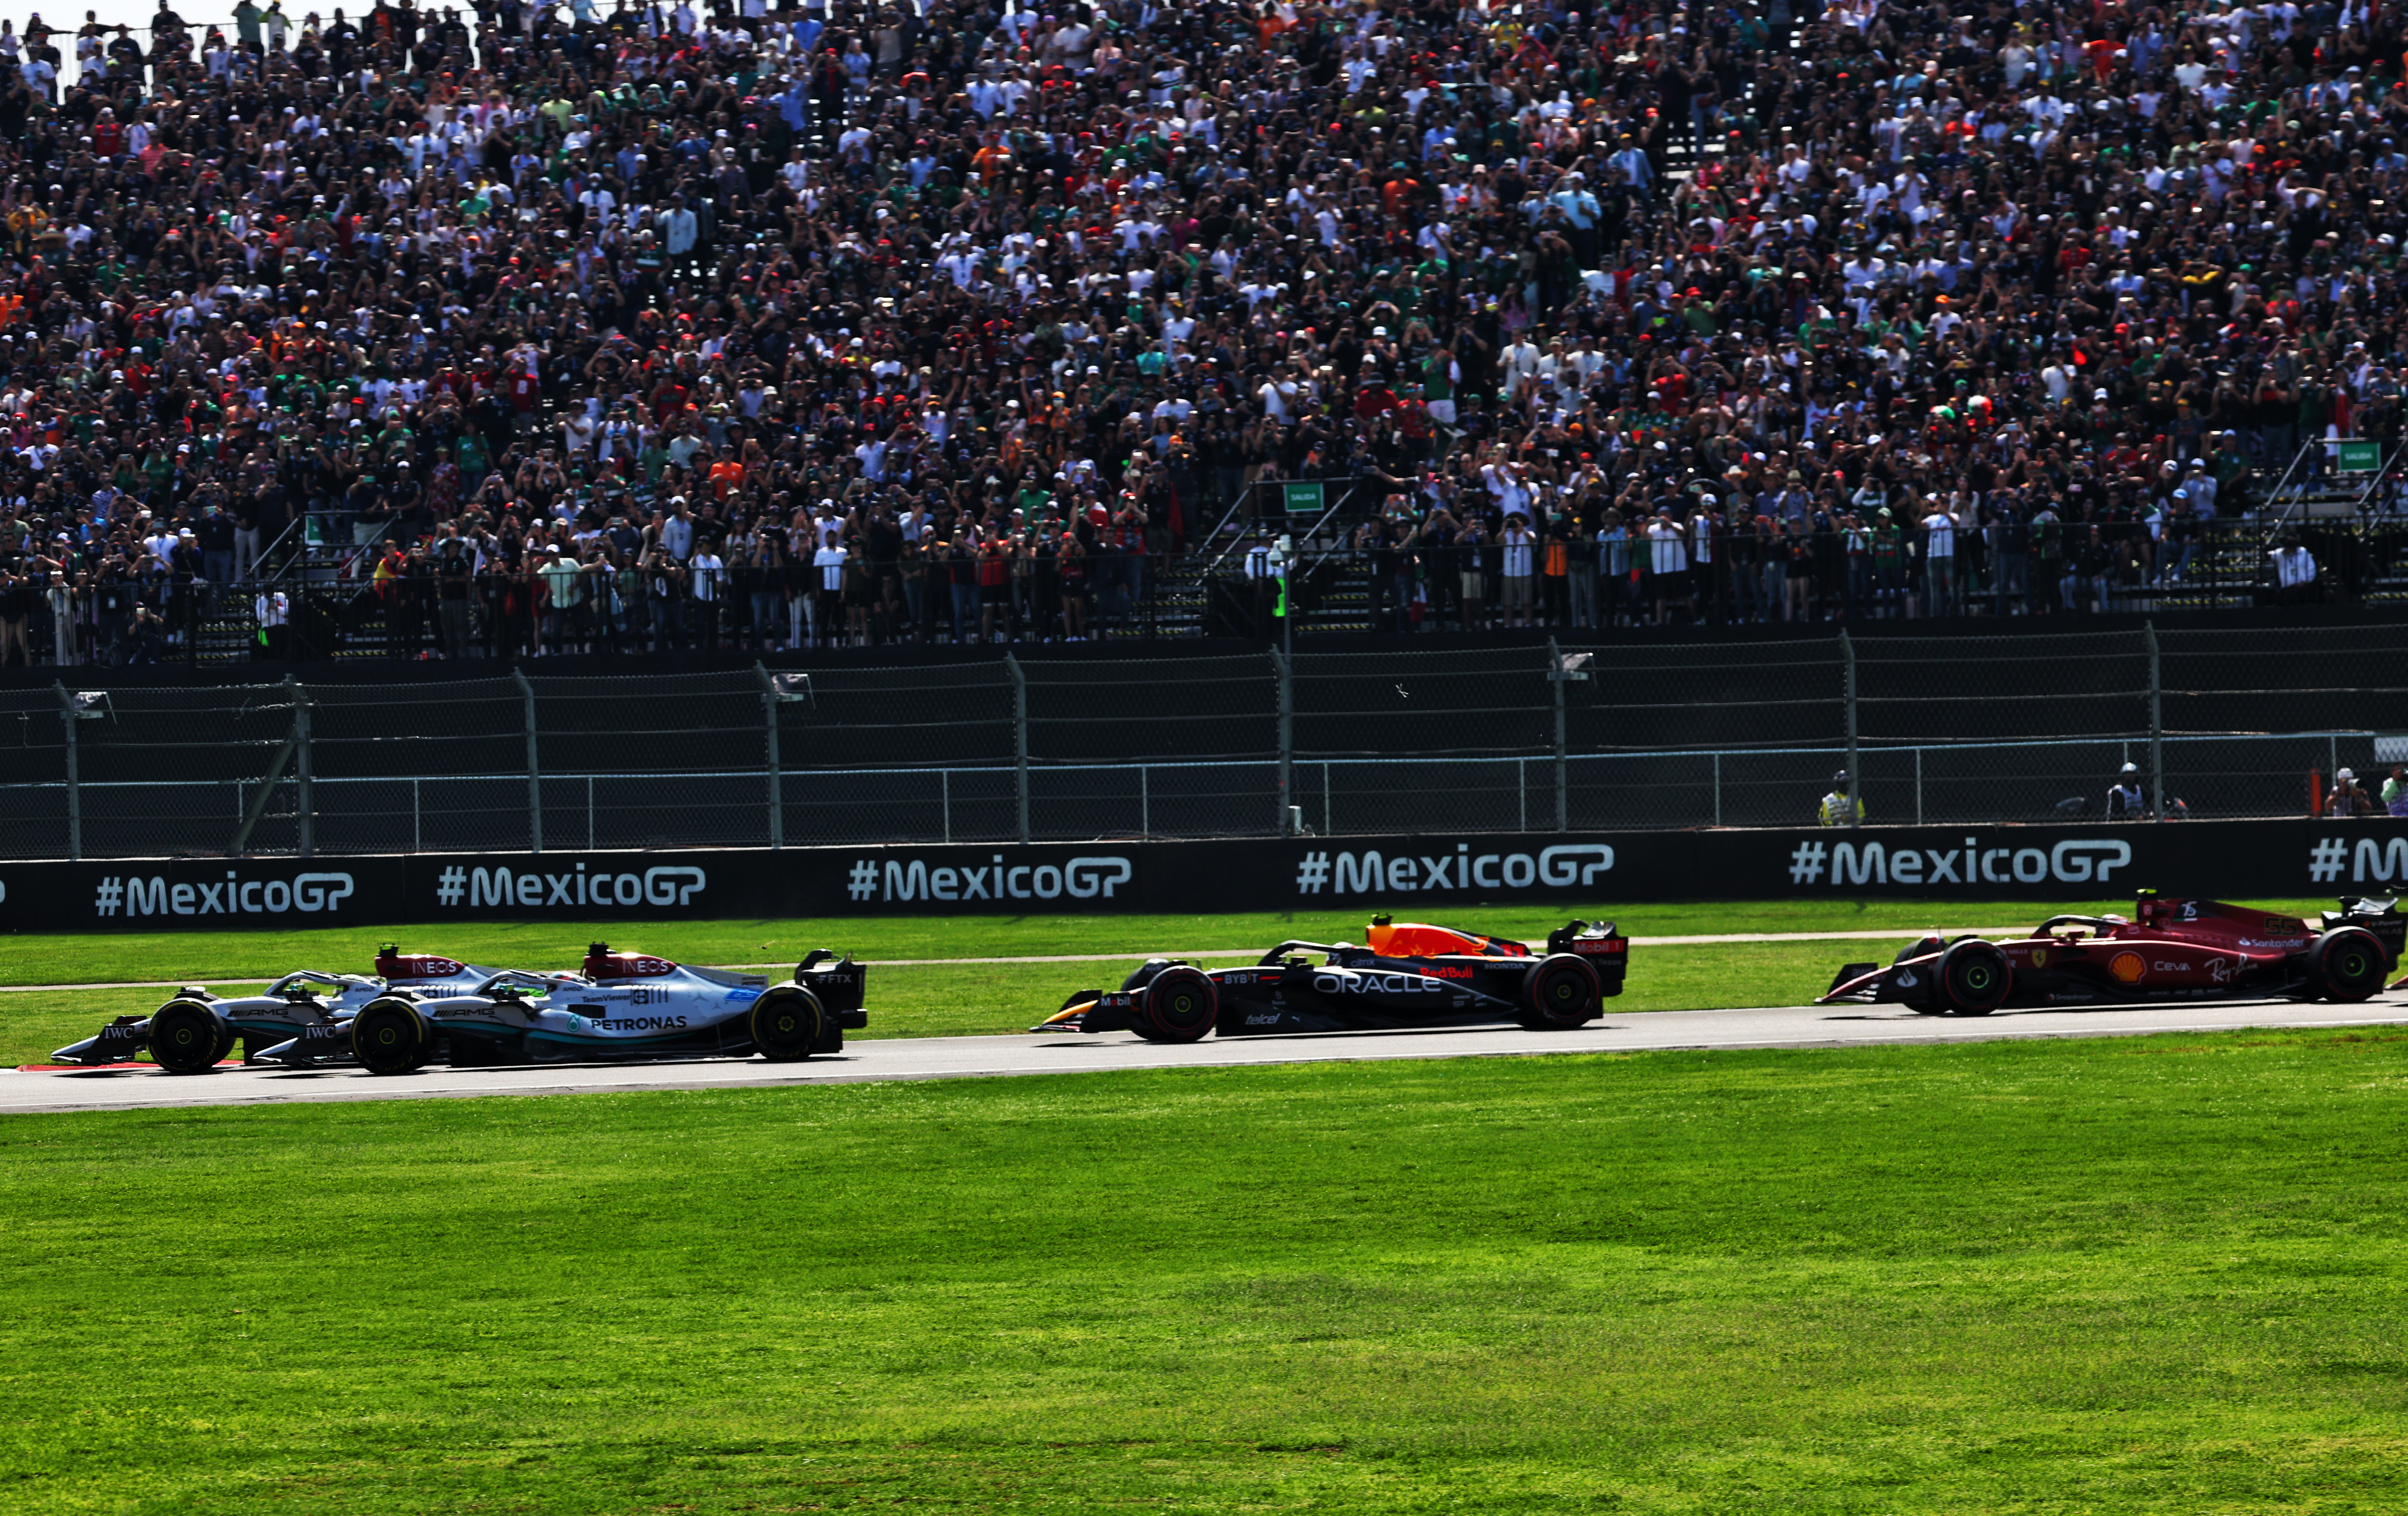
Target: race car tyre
1181	1004
1974	977
1138	978
2344	964
390	1037
786	1025
1561	994
187	1037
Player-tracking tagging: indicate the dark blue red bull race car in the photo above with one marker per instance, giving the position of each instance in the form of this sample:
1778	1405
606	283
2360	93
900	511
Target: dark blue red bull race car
1407	975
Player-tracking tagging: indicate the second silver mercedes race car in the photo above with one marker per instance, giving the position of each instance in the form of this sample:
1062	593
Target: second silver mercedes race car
303	1018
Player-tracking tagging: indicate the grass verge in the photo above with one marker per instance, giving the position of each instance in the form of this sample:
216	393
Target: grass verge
2150	1275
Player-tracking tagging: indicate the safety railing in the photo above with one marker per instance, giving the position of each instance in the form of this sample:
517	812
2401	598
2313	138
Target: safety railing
1951	784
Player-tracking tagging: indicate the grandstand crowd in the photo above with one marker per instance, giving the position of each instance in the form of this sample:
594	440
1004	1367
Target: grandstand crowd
559	326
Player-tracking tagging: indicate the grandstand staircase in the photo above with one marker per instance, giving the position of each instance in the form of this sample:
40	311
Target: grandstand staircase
226	635
1203	591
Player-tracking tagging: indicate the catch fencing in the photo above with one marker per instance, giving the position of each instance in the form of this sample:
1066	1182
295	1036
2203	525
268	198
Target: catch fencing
1936	730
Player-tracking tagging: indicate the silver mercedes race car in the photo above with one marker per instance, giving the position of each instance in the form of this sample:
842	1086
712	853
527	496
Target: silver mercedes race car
618	1005
303	1018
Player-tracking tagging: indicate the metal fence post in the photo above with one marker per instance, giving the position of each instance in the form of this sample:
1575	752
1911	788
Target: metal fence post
1020	735
769	728
1556	675
2157	728
1281	670
75	788
1855	802
304	806
535	767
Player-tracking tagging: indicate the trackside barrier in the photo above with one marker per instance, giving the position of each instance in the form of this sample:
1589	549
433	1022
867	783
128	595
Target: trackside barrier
1582	873
2214	779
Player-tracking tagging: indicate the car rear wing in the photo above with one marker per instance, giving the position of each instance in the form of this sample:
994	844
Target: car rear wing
1600	944
2380	917
842	986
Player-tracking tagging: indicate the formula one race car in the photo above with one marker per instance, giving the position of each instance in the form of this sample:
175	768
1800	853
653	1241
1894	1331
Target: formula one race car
620	1005
1409	976
2176	949
303	1018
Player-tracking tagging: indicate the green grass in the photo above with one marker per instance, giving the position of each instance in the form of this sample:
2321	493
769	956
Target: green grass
2150	1275
30	958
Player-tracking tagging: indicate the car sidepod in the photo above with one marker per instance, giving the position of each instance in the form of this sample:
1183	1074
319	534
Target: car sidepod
1358	991
635	1006
687	1012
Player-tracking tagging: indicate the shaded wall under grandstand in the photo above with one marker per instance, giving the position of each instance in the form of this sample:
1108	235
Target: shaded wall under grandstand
1948	730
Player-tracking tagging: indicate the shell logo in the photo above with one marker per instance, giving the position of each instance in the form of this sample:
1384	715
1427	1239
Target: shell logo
2127	966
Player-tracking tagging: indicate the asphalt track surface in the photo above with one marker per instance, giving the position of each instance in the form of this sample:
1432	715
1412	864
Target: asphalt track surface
24	1091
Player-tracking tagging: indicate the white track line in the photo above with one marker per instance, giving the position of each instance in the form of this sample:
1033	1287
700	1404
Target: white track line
1716	940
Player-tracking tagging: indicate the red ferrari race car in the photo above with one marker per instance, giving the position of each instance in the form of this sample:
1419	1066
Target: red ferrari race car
2175	949
1409	976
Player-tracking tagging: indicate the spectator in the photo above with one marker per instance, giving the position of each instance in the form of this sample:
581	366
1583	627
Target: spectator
1518	553
2348	798
827	596
1938	526
1669	563
2295	571
929	263
454	575
2395	791
1837	809
2126	799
